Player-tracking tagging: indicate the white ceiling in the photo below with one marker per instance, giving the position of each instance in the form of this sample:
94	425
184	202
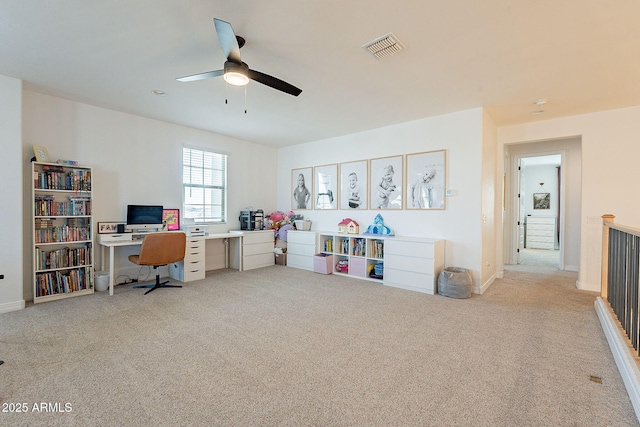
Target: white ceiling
581	55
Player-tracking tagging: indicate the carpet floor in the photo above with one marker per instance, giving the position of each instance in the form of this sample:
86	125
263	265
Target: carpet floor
284	347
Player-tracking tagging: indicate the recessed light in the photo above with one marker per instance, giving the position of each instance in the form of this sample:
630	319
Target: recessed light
540	102
159	92
538	112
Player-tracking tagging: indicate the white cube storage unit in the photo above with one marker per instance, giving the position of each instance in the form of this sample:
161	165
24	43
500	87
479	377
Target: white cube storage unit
402	262
257	249
193	265
301	247
355	255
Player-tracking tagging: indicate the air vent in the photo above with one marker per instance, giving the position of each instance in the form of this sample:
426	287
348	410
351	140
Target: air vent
384	46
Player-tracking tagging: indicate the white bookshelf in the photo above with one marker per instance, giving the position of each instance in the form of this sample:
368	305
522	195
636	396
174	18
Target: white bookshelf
62	226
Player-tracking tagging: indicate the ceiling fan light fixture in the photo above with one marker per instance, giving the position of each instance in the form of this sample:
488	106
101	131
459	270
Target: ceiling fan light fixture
236	74
235	78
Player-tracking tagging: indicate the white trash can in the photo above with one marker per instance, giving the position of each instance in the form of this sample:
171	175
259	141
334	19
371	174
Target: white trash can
102	281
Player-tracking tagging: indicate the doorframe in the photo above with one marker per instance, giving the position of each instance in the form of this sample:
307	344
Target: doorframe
512	205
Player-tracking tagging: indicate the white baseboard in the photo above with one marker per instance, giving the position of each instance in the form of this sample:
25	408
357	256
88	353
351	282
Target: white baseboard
621	353
481	290
12	306
573	268
586	287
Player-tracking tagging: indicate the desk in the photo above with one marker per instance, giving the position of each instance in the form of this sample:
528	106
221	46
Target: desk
121	243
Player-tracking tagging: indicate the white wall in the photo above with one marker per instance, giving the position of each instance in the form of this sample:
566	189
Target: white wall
137	160
610	172
491	205
11	166
460	224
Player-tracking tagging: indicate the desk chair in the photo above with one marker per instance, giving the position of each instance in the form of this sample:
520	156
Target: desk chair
160	249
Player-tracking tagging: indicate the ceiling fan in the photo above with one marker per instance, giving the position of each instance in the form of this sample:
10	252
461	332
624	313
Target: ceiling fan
235	71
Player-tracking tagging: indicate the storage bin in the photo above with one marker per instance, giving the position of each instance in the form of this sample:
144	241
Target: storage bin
455	282
323	263
281	259
358	267
102	280
379	269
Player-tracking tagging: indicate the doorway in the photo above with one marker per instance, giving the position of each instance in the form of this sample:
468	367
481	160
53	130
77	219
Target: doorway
568	222
539	210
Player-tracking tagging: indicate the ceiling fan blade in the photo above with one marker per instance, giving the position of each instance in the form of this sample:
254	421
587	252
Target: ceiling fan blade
201	76
228	40
273	82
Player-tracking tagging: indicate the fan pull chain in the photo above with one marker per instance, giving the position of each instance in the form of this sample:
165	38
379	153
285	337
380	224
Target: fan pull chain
245	99
226	101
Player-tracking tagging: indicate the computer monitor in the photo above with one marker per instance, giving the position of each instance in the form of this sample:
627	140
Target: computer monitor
144	217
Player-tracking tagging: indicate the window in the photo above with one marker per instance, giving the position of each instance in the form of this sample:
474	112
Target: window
204	186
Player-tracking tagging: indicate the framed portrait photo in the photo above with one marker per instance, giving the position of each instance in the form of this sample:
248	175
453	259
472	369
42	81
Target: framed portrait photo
354	187
325	190
426	180
385	185
108	227
171	219
301	188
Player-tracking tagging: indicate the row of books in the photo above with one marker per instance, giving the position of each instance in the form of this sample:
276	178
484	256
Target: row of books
59	282
62	234
64	257
376	249
72	222
359	247
343	246
56	178
46	205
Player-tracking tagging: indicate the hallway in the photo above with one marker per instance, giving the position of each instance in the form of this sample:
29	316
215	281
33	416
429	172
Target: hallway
542	257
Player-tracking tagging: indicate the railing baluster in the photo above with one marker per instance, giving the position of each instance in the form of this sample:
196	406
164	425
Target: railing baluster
633	287
627	286
621	276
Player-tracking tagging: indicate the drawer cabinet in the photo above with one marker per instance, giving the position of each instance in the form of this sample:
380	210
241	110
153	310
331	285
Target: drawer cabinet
540	232
413	264
301	247
257	249
193	265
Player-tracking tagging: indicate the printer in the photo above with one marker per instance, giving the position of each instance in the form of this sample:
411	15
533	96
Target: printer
251	220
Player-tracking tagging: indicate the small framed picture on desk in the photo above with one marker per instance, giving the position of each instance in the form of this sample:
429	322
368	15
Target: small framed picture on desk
171	219
108	227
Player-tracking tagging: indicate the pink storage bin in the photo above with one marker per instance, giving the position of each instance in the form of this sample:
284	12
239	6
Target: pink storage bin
323	263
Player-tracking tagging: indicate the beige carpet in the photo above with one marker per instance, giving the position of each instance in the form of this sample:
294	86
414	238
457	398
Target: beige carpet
285	347
541	257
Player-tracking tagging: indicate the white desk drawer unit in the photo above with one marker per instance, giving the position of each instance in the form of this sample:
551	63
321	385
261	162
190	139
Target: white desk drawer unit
193	265
257	249
301	247
413	264
541	232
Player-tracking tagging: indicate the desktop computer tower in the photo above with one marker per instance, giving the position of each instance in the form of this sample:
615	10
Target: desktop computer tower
251	220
